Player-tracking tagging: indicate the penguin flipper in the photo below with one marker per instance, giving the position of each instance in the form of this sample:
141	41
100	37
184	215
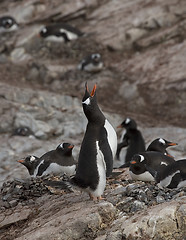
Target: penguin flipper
153	172
119	147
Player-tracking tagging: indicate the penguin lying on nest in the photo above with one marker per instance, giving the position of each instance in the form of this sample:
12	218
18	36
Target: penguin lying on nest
172	176
55	161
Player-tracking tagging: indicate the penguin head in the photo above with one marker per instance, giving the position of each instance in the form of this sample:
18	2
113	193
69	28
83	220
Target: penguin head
96	57
29	162
165	143
160	144
8	24
128	123
89	101
23	131
44	32
66	148
137	163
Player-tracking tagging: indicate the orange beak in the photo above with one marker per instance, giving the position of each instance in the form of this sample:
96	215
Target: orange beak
21	161
93	91
119	126
71	146
133	162
172	144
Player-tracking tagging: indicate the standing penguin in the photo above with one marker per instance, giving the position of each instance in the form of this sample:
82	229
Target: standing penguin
97	151
59	160
132	139
160	145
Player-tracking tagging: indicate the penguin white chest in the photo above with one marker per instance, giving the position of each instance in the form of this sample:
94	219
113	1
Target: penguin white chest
101	166
112	137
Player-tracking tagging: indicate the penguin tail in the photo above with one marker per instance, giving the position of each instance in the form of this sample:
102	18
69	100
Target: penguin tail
125	165
60	185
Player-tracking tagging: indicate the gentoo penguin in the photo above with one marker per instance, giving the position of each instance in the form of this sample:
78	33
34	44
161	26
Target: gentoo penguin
97	150
132	139
155	160
60	32
91	63
160	145
23	131
8	24
172	176
59	160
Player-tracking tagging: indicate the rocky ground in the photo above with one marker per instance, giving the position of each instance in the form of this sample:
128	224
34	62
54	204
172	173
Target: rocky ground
143	48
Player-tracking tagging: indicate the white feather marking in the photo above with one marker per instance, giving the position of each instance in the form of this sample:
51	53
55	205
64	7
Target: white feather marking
12	28
54	38
112	137
162	141
70	35
127	120
93	68
36	170
87	101
56	168
101	172
141	158
32	158
164	163
146	176
166	181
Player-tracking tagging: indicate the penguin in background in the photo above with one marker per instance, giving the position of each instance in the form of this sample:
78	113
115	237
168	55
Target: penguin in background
97	150
55	161
8	24
154	160
172	176
132	139
92	63
60	32
160	145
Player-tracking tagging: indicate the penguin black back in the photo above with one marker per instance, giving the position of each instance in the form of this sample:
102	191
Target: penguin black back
172	176
140	162
132	139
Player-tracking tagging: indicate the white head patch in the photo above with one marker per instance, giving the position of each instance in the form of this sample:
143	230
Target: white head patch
141	158
87	101
164	163
44	30
127	120
61	145
32	158
96	56
161	140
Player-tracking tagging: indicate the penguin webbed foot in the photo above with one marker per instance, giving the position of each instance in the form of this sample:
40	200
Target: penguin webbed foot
96	199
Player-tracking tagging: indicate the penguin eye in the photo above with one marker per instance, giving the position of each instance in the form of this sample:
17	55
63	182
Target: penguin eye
87	101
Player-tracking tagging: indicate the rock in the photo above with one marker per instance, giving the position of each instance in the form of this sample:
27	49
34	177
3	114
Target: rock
19	55
154	225
16	217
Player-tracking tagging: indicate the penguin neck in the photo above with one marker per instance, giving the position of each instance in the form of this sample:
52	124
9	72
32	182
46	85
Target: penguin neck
95	115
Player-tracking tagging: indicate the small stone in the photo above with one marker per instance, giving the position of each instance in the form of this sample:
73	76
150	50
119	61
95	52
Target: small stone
13	203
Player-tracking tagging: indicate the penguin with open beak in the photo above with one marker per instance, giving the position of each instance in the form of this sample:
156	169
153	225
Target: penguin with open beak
97	150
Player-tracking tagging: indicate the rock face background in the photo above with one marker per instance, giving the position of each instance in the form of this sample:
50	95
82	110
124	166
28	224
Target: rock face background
143	48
